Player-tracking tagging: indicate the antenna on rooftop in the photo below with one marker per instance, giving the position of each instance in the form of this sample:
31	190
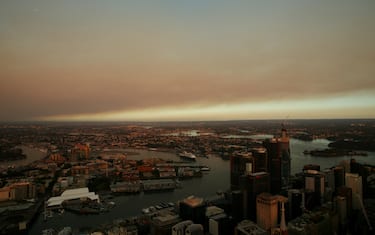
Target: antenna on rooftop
284	122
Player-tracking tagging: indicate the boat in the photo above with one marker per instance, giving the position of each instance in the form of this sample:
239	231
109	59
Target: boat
145	210
187	155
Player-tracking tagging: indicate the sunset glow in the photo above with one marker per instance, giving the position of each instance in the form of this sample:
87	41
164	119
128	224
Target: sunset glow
186	60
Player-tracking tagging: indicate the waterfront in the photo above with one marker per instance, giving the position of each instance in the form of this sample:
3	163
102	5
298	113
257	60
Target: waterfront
32	154
213	181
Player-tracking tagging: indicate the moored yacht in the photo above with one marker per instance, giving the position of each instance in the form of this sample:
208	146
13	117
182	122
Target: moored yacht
187	155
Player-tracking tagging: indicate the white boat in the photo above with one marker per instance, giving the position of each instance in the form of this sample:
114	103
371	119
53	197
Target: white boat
145	210
205	169
187	155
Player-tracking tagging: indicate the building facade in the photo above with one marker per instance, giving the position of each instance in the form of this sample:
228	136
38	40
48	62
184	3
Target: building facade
279	161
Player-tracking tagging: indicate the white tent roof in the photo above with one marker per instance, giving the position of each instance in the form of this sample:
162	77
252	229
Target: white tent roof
71	194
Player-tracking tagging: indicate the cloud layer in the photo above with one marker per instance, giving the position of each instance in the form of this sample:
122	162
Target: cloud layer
95	57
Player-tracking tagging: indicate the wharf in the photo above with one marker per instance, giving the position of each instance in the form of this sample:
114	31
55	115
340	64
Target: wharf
180	164
144	185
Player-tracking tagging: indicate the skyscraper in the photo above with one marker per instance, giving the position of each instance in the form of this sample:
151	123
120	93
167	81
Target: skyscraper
278	152
354	181
267	211
240	163
251	186
245	163
295	203
261	159
314	182
193	208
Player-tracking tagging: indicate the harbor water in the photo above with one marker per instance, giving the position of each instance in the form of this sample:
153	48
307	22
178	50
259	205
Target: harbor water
217	179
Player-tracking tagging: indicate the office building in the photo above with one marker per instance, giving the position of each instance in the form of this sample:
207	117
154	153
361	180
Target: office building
347	193
267	211
251	186
329	179
361	170
219	225
339	172
193	208
162	224
279	164
260	159
211	211
341	208
354	181
295	203
311	200
237	202
314	182
240	164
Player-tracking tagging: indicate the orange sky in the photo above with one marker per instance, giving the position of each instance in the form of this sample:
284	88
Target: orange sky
186	60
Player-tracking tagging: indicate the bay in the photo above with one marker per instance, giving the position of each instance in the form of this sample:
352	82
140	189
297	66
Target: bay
215	180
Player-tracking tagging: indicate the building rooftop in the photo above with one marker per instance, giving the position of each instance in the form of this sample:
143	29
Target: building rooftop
193	201
213	210
165	219
72	194
248	227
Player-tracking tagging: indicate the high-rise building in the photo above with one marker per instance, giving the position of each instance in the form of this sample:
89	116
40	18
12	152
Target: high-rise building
219	225
347	193
261	159
279	165
245	163
354	181
339	172
237	202
193	208
360	169
314	182
341	208
295	203
251	186
267	211
329	181
240	164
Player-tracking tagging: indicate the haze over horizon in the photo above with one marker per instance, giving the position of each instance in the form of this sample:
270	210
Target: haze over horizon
186	60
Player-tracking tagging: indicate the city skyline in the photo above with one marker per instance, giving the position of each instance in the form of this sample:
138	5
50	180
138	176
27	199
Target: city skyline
186	60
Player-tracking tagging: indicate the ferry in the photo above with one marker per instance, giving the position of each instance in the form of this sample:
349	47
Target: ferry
187	155
205	168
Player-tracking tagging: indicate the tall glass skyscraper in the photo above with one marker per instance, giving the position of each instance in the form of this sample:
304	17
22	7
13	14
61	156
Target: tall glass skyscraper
278	151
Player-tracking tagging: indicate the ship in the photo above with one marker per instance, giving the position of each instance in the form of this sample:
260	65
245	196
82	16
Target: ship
187	155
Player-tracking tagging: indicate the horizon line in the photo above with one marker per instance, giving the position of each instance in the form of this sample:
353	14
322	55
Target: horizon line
182	121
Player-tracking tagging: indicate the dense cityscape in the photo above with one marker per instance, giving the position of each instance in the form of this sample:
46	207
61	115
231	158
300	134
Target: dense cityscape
193	117
83	168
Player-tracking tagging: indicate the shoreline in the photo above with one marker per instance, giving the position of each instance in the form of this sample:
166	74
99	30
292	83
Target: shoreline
332	153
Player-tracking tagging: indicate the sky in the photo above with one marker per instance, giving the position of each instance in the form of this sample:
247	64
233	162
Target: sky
189	60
